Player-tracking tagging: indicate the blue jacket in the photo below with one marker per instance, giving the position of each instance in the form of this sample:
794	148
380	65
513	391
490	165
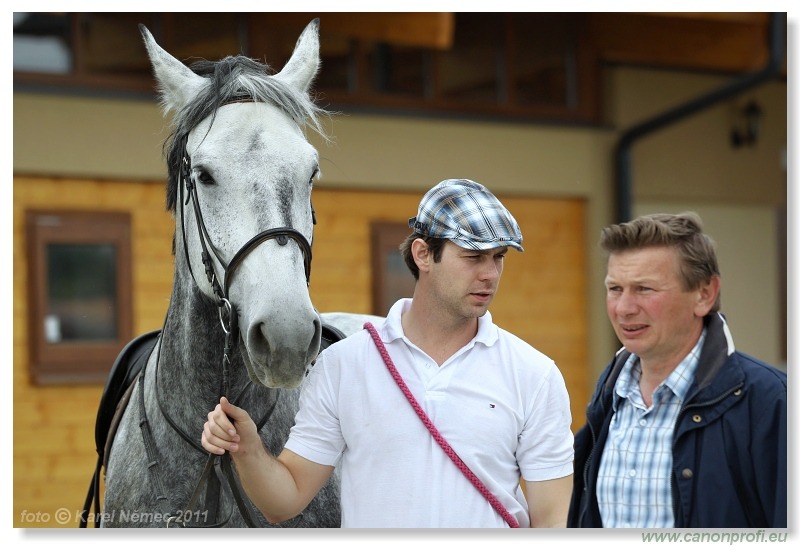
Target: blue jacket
729	448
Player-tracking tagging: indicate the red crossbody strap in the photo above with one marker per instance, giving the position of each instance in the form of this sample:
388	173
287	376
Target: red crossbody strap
496	504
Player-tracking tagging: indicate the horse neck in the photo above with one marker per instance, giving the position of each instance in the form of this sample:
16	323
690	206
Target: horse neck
193	340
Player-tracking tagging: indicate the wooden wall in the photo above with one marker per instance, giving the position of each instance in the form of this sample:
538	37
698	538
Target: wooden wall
542	299
542	296
54	450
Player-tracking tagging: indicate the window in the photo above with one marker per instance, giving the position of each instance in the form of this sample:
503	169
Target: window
391	278
536	65
79	294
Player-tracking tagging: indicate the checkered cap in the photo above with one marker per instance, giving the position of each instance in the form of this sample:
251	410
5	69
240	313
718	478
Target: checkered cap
468	214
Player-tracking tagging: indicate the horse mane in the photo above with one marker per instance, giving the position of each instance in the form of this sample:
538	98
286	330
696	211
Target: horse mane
230	79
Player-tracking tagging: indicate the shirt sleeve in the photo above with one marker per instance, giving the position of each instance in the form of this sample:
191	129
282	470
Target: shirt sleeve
546	443
316	434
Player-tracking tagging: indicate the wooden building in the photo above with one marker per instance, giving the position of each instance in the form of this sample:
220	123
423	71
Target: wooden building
532	105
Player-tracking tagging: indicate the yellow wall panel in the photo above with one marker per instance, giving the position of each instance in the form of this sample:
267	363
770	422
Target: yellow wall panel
542	299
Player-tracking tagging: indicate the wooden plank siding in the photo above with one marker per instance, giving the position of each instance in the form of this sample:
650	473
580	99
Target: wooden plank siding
54	451
542	299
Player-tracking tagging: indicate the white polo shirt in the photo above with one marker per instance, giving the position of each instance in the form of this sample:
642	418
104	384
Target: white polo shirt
502	405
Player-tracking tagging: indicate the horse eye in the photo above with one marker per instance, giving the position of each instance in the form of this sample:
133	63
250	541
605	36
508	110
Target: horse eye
204	178
313	175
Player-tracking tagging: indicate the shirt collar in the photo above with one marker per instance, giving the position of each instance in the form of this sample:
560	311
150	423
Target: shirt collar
393	327
679	380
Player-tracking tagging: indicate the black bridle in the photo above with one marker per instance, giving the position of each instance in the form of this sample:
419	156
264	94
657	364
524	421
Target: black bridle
281	234
220	466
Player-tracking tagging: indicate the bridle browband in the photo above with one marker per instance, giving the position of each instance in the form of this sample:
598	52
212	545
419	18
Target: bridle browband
221	466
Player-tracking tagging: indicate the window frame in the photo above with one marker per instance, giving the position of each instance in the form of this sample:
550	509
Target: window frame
360	91
385	239
71	362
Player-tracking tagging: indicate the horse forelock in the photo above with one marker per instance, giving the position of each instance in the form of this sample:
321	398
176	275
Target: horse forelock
234	78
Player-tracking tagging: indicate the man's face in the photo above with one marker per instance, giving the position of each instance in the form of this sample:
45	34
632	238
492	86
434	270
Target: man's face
465	281
652	315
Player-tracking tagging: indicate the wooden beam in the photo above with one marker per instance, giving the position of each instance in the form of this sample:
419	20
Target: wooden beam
696	42
427	30
754	18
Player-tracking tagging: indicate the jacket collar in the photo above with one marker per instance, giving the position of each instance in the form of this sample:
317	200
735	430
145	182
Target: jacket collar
716	350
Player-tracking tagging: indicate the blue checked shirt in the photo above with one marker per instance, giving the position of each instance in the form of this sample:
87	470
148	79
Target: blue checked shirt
634	481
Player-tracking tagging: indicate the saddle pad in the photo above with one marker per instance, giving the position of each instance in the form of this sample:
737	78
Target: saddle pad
126	368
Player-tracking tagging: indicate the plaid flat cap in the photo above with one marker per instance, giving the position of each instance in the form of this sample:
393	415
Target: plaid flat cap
467	213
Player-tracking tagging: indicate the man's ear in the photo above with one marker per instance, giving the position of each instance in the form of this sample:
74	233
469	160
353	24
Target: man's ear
421	253
706	296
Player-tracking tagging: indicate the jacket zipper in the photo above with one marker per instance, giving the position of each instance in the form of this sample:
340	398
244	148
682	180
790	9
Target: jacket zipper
672	478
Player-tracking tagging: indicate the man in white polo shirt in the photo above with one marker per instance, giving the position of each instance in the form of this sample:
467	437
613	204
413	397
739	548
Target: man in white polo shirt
500	405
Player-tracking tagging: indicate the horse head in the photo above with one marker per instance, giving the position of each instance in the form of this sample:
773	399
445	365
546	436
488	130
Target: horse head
240	178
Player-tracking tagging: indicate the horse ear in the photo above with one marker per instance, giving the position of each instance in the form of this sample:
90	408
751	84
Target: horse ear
177	84
302	67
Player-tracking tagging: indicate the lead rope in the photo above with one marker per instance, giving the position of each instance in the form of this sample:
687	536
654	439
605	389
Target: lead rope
223	464
496	504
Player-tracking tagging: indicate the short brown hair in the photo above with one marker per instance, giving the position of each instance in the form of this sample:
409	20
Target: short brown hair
683	232
435	244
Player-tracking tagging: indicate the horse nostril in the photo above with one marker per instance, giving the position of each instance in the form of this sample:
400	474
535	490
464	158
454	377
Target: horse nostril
259	340
316	343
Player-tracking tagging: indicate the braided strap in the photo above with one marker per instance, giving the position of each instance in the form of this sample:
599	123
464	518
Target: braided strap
496	504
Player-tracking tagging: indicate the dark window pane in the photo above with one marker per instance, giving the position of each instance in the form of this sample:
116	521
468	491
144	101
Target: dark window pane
111	45
391	278
471	70
41	43
399	282
545	64
399	70
339	64
81	292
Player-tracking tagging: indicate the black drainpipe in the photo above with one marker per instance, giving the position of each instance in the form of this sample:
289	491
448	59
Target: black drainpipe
622	154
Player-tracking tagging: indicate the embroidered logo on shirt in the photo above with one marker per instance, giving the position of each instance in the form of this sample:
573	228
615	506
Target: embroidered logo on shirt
492	405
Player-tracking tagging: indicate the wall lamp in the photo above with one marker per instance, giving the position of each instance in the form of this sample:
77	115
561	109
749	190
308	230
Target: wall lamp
746	125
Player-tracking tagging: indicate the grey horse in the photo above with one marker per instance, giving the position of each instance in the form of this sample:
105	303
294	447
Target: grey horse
240	321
